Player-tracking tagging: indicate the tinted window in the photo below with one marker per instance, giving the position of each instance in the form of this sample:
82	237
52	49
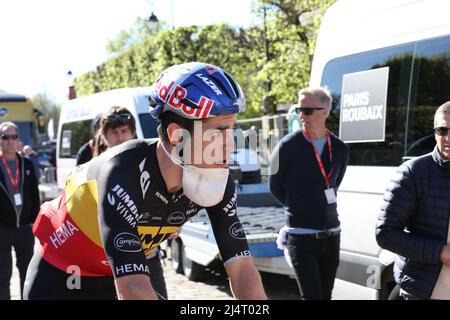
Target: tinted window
148	125
430	89
27	132
73	136
399	61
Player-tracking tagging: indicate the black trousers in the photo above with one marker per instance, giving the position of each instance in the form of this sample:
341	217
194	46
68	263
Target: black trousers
315	263
22	240
46	282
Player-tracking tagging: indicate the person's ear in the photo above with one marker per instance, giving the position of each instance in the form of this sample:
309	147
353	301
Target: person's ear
174	133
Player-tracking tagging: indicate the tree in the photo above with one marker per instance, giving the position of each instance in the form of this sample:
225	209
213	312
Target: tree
50	109
136	34
292	27
276	74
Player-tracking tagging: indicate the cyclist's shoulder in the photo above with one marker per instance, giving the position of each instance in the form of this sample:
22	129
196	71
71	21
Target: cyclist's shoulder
123	156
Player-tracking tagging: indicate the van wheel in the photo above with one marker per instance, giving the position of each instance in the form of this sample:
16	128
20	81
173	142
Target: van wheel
175	255
395	293
192	270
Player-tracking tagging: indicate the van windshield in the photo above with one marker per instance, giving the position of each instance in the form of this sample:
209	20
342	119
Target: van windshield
26	132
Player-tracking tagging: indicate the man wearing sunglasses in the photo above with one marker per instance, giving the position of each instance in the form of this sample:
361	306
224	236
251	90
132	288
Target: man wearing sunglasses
307	168
117	125
414	219
19	205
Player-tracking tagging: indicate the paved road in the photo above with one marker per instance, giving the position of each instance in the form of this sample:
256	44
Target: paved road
214	285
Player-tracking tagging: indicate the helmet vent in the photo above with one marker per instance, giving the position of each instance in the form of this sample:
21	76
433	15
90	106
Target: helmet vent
220	85
233	84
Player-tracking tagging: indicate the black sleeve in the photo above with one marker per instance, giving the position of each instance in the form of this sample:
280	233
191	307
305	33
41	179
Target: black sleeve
399	204
120	197
33	189
278	170
228	230
343	166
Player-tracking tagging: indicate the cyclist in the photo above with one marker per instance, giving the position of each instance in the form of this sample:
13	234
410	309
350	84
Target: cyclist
117	208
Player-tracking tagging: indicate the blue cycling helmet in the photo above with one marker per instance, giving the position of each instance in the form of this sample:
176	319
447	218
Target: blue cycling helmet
196	91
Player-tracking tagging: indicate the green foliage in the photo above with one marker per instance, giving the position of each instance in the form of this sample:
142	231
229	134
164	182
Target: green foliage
46	104
141	54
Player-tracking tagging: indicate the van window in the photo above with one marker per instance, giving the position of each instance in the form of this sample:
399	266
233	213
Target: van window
430	89
148	125
73	136
27	133
417	85
399	61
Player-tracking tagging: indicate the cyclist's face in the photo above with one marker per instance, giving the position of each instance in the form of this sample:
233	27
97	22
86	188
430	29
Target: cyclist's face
217	142
118	135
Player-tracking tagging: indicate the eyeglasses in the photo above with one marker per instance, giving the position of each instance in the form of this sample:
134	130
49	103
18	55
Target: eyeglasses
10	137
441	131
122	117
306	111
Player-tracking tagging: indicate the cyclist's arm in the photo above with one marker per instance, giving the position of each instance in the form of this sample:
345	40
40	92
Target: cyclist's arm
135	287
120	198
245	281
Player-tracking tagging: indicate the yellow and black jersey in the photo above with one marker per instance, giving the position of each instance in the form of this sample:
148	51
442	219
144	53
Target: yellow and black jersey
116	209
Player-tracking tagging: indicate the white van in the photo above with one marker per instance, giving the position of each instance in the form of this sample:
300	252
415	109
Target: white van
387	64
76	117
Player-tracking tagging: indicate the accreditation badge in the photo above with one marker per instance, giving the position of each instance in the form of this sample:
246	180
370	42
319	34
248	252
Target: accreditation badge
18	199
330	195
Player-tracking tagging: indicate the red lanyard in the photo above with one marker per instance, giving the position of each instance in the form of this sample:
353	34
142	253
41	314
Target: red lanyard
319	159
14	182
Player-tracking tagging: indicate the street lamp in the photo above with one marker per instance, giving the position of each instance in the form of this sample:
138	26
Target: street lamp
153	21
72	93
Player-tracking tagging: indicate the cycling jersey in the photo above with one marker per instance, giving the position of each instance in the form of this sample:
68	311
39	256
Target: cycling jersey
116	209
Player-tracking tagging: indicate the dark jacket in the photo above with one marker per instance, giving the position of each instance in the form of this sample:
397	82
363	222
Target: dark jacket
297	182
84	154
30	196
418	199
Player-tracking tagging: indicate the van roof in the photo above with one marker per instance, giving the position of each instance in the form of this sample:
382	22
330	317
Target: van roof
353	26
87	107
12	97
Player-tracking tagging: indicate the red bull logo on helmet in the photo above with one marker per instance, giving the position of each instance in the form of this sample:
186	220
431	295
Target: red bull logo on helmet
175	101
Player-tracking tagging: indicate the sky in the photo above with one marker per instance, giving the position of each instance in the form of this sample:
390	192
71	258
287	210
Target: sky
41	40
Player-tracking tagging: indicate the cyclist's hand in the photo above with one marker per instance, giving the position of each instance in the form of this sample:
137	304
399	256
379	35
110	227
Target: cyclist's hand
175	234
